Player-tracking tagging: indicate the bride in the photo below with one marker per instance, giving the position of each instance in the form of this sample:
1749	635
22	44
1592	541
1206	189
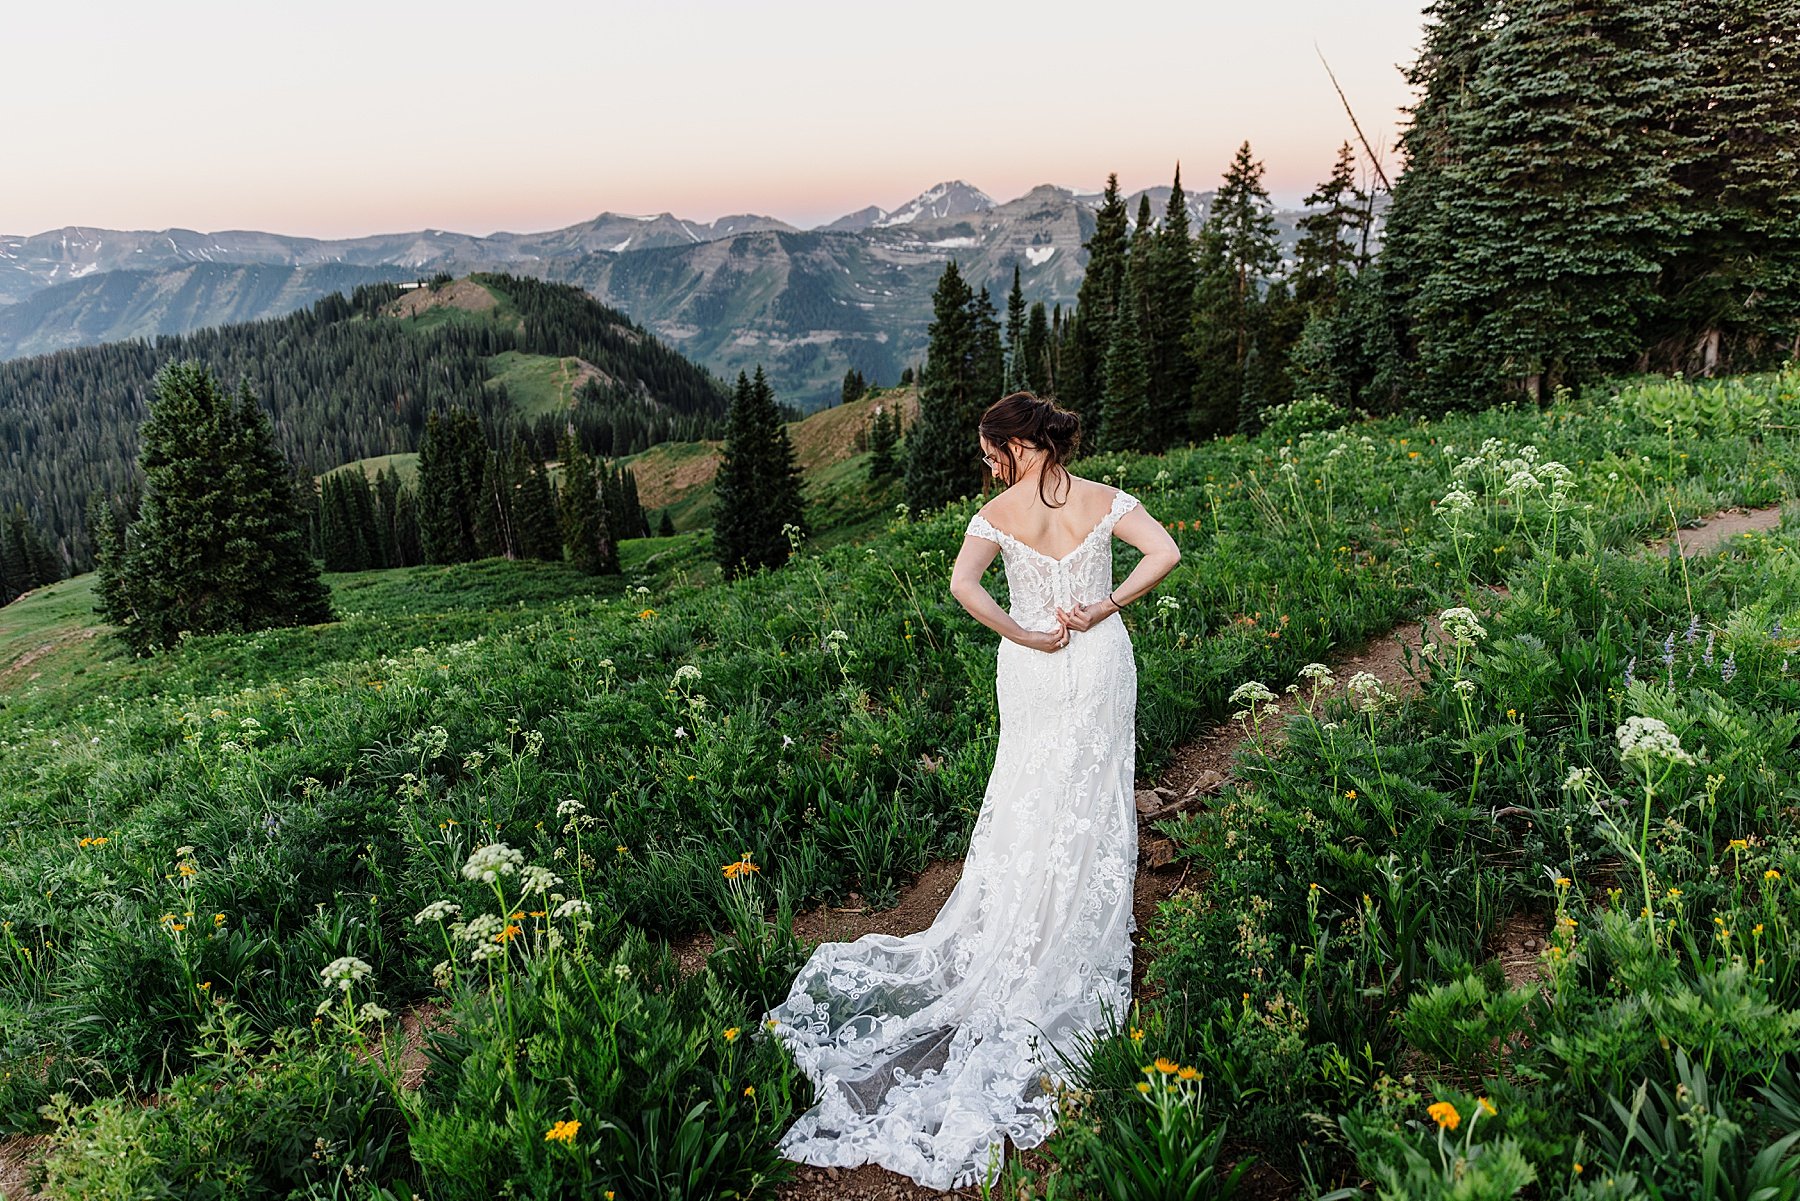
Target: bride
928	1051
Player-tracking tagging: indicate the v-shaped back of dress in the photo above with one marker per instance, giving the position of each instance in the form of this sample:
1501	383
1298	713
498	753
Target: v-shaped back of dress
1039	583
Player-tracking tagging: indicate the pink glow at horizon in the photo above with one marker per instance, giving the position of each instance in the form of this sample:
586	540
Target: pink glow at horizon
340	119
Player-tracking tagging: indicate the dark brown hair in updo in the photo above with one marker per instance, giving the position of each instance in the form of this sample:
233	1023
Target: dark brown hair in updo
1036	421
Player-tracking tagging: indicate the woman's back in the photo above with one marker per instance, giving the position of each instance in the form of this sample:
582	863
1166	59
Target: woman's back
1052	532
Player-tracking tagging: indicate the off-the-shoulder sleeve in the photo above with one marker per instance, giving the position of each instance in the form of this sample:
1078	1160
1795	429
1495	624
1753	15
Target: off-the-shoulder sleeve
980	527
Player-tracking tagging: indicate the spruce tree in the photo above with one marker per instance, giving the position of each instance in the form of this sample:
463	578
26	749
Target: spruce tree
884	439
990	355
1018	375
666	527
1238	255
106	532
534	512
943	460
218	544
1084	363
757	487
1171	279
585	537
446	504
1036	352
1561	201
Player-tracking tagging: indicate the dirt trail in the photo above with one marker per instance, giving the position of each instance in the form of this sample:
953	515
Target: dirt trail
1197	770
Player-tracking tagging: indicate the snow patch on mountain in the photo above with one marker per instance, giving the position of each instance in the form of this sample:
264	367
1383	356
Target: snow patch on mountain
1037	256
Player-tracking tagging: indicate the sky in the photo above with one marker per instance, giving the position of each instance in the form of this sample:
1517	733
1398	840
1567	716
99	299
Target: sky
335	119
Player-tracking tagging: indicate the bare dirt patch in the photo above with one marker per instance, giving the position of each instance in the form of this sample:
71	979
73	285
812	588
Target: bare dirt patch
459	294
19	1156
1718	528
19	671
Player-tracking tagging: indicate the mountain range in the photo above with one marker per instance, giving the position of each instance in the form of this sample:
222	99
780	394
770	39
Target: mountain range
730	293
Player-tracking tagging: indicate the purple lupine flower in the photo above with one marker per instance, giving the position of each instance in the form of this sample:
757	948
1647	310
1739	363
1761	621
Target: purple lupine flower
1775	631
1693	630
1706	656
1727	669
1630	667
1668	654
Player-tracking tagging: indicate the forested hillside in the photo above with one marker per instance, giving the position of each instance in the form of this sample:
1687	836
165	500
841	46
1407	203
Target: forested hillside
350	378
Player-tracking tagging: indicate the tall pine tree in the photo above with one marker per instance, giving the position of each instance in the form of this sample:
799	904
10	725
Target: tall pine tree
219	543
757	488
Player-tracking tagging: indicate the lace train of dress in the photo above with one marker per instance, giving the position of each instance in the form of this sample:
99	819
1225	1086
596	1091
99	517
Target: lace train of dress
928	1051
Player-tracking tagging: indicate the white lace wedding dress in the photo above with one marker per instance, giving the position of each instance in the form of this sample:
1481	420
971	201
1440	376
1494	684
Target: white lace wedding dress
928	1051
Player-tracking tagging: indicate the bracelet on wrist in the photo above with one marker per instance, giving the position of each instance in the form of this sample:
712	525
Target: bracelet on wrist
1117	607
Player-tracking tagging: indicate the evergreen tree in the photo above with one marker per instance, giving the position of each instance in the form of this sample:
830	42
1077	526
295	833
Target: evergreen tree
1018	374
406	528
106	532
338	544
1172	276
854	386
666	527
218	544
884	438
942	462
1561	201
387	493
1039	377
1238	255
1125	409
1084	363
445	502
1730	292
990	355
758	483
1330	236
590	548
534	509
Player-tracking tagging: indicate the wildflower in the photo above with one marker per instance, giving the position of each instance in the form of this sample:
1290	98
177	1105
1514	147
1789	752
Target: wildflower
492	861
1728	669
750	1091
562	1132
731	1033
1462	625
573	907
1166	1066
1251	692
687	671
437	911
569	808
787	740
1771	874
1647	740
1630	667
1464	687
1563	882
1188	1073
1366	687
1143	1086
1692	634
1350	795
1487	1105
1737	844
1137	1036
345	972
371	1012
538	879
622	849
646	615
742	867
621	971
1317	672
1577	778
1445	1115
680	732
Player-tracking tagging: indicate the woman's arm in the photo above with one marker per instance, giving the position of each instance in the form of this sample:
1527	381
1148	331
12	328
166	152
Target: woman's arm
1160	557
965	585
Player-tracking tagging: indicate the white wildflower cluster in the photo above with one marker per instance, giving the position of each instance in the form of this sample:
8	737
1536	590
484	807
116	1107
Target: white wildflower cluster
1464	687
437	911
1367	688
1647	740
535	879
371	1012
1577	778
687	671
1167	604
1318	673
343	973
1462	625
1252	692
1455	503
574	907
487	864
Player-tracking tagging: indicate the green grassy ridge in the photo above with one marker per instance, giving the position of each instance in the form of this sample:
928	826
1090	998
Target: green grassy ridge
363	757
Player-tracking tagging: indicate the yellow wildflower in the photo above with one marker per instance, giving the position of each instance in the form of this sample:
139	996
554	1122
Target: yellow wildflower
1487	1105
562	1132
731	1033
1445	1115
